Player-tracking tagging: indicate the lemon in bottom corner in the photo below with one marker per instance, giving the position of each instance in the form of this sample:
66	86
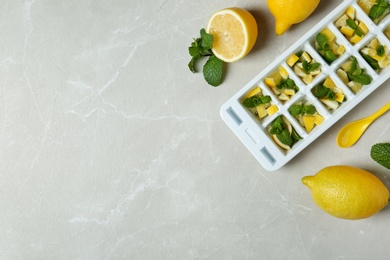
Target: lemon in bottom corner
347	192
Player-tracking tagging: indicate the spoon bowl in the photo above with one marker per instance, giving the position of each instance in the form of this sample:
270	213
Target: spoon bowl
351	132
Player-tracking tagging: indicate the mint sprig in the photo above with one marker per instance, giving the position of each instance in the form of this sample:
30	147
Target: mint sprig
351	23
308	67
256	101
300	109
357	74
213	68
324	48
378	9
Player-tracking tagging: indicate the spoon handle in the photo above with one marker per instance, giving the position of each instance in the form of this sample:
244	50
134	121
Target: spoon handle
381	111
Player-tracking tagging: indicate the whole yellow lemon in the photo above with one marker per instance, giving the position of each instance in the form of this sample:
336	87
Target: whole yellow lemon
289	12
347	192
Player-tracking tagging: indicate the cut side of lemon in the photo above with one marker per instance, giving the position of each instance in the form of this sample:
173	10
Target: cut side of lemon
235	33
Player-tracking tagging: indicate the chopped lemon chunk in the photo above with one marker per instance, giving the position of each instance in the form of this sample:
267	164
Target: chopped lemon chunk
342	21
340	50
318	119
306	56
261	111
283	97
329	83
343	75
270	82
347	31
329	34
292	60
339	97
272	109
363	27
354	86
283	72
289	92
253	92
350	12
307	79
355	39
309	122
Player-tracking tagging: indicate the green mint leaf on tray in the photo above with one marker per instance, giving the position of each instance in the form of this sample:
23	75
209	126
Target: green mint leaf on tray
308	67
309	109
380	50
363	79
321	91
322	40
351	23
295	110
373	62
329	56
285	137
380	153
378	9
213	68
213	71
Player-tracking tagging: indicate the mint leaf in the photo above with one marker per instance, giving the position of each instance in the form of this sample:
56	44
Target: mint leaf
322	40
321	91
213	70
307	67
309	109
377	11
351	23
380	153
295	109
371	61
206	40
285	137
200	47
329	56
380	50
362	78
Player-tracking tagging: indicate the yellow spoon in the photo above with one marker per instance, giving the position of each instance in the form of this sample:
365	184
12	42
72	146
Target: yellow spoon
351	132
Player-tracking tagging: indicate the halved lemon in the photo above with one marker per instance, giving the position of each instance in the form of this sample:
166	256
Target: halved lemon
235	33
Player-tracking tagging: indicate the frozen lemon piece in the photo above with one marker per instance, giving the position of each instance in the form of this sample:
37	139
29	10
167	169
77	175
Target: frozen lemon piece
283	97
350	12
343	75
384	63
329	83
307	79
272	109
346	65
342	21
318	119
368	51
270	82
363	27
339	97
289	92
354	86
261	110
328	33
253	92
340	50
283	72
347	31
292	60
309	122
299	71
387	32
355	39
330	103
306	56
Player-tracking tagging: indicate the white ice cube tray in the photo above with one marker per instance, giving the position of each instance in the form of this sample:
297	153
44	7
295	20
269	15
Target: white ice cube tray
253	131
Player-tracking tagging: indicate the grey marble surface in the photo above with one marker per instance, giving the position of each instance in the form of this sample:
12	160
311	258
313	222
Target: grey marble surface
112	149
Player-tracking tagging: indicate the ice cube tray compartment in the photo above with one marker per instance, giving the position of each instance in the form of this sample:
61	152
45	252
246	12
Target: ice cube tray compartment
254	131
